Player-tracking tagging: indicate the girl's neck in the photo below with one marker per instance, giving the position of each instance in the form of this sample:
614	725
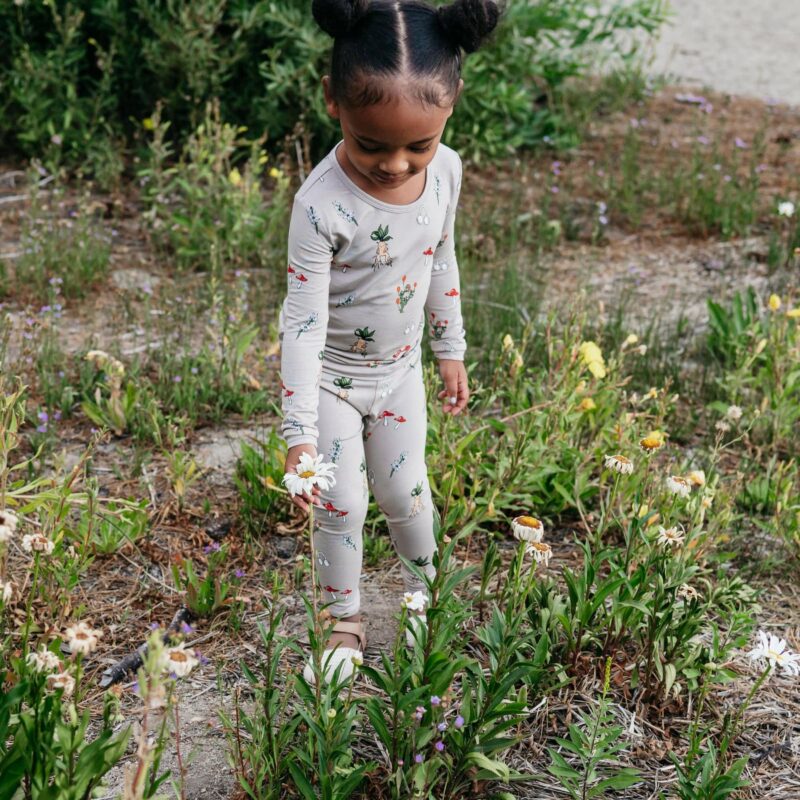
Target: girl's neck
409	192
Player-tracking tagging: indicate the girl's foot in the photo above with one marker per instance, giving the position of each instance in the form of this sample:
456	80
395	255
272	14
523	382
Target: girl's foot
345	650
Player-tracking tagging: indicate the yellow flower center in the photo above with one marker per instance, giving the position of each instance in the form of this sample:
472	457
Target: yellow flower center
309	473
529	522
178	655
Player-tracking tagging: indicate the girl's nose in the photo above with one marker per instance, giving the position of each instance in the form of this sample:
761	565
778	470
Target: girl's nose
394	165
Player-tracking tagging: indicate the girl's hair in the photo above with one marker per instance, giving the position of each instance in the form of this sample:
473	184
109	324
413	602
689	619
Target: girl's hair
379	39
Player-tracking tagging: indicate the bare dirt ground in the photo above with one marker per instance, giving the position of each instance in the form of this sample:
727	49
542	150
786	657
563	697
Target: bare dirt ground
741	47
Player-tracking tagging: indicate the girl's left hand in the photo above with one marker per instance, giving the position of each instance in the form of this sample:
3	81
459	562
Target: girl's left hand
456	392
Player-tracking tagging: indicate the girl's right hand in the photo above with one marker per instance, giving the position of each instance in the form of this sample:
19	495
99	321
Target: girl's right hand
292	457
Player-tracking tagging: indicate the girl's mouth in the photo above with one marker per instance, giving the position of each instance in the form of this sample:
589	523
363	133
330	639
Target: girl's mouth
390	180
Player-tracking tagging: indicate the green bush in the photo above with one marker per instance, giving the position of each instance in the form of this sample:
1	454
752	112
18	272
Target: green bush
79	76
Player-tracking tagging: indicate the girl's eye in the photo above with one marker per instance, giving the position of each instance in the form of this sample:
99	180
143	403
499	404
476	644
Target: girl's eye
421	149
378	149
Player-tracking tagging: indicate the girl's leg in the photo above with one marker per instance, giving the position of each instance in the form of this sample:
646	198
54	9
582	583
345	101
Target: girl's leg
340	518
395	450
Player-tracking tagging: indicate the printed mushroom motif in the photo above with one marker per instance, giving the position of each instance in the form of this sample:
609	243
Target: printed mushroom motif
452	293
399	421
301	279
290	269
342	515
384	415
330	508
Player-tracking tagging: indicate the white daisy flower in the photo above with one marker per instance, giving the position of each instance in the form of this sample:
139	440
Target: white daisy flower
179	660
43	660
619	464
722	426
527	529
6	591
540	551
8	519
415	601
678	485
357	659
37	543
310	472
786	208
81	638
687	592
61	680
774	651
670	537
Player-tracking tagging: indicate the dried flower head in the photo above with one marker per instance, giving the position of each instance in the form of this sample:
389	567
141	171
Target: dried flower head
179	660
678	485
43	660
63	681
620	464
8	519
37	543
697	477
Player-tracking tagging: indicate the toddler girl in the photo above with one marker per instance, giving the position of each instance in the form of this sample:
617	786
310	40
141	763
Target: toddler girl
371	263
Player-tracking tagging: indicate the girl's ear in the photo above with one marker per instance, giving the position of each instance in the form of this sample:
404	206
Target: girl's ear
330	103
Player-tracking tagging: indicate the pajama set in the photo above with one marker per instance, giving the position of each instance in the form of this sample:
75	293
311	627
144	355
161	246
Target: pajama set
365	278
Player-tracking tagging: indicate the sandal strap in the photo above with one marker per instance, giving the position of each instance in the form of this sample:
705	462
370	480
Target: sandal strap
355	628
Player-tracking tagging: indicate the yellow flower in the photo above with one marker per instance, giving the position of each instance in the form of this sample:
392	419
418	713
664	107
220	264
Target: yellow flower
793	313
774	302
587	404
652	394
631	339
235	177
592	357
148	124
653	441
275	173
508	343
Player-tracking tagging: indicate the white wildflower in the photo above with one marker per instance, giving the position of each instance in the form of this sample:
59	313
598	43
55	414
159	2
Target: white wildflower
61	680
43	660
527	529
6	591
786	208
540	551
734	413
37	543
8	519
179	660
415	601
619	464
775	652
81	638
697	477
678	485
310	472
357	659
670	537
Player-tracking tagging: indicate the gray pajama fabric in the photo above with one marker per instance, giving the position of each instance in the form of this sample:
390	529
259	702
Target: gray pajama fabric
365	278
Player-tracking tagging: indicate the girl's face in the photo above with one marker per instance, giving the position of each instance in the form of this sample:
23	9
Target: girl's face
388	143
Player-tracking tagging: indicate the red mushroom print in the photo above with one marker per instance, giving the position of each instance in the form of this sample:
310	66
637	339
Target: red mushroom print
342	515
452	293
287	393
384	415
330	508
428	256
345	592
301	279
345	267
399	421
428	252
290	269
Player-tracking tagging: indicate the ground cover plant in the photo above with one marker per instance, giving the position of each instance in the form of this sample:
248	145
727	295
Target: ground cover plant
614	612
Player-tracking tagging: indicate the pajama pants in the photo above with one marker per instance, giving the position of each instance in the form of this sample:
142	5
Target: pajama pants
374	430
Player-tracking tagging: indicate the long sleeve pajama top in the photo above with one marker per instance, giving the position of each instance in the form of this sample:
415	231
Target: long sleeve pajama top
365	278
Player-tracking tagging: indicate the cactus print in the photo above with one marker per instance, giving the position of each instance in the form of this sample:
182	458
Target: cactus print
405	293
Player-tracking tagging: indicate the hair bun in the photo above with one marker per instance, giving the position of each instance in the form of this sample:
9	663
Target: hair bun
338	17
468	22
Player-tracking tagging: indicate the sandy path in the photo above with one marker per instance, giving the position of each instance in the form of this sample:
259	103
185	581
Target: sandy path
744	47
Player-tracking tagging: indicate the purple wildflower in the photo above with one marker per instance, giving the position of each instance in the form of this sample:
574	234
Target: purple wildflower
211	548
439	746
436	700
554	189
419	713
442	726
419	758
42	416
740	143
177	379
703	140
459	721
240	573
186	627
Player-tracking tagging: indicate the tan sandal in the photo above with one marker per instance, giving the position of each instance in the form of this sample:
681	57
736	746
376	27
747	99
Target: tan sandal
339	654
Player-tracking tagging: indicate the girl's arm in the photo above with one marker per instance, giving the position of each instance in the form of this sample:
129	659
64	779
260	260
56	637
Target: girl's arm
443	313
305	323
